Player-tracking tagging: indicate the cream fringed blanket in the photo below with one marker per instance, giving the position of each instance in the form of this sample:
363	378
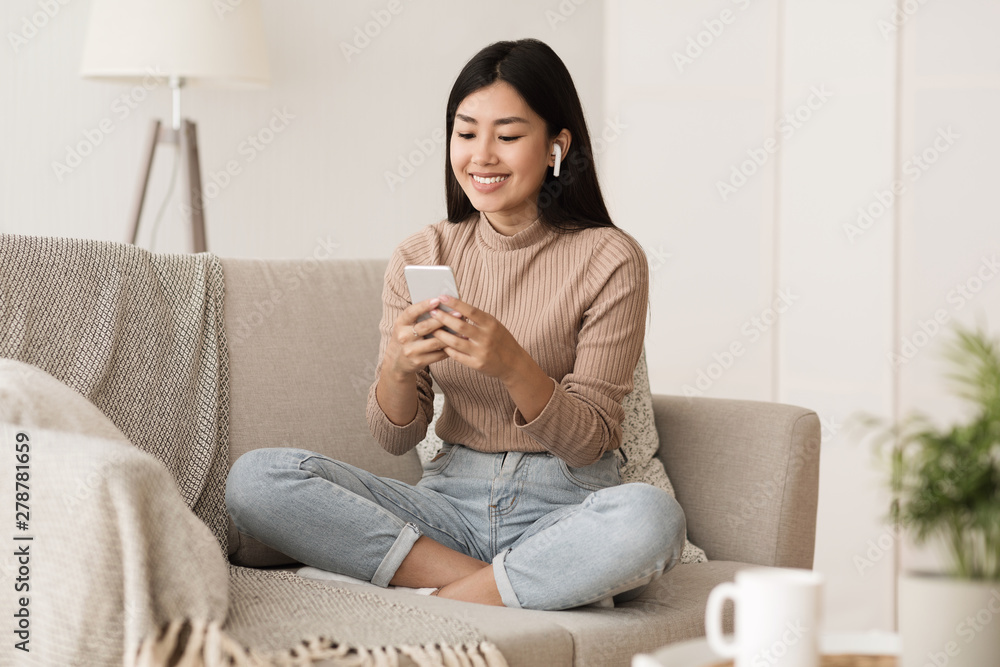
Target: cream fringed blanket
122	407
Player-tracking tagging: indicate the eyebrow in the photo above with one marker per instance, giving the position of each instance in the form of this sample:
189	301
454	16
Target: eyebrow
499	121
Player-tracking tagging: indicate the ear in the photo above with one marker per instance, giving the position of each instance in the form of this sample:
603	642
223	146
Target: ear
564	139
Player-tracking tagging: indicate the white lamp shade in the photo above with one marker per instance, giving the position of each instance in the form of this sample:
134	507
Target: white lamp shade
205	42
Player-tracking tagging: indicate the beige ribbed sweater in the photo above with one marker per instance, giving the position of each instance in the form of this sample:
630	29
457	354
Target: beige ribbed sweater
575	302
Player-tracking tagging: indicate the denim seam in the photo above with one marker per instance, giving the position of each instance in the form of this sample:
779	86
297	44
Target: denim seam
507	594
438	469
397	552
421	519
351	497
639	580
633	583
586	486
354	498
513	503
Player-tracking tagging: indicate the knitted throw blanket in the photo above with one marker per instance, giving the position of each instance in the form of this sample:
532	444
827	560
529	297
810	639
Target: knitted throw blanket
141	335
113	365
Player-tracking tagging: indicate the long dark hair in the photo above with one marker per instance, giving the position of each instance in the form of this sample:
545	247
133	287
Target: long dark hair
568	203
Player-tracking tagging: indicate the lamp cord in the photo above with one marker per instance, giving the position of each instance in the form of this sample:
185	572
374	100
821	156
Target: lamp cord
166	198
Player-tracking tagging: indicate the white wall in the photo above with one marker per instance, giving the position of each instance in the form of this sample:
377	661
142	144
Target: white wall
720	256
668	135
320	178
950	228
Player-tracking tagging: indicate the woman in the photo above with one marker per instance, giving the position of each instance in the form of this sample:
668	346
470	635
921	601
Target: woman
524	505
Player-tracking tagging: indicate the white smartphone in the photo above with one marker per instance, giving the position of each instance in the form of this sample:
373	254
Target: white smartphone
427	282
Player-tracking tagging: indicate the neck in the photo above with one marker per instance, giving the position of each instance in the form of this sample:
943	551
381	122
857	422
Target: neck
509	224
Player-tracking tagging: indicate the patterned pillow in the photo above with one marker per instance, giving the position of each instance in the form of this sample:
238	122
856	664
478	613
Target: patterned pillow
639	444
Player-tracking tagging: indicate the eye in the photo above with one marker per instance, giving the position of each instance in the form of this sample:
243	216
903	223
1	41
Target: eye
466	135
509	139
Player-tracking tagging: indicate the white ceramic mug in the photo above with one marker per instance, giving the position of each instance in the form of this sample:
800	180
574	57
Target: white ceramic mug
777	618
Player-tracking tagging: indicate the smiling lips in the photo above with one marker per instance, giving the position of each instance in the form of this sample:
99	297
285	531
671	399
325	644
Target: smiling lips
488	183
492	179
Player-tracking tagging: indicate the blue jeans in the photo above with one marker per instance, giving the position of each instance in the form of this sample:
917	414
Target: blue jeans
557	536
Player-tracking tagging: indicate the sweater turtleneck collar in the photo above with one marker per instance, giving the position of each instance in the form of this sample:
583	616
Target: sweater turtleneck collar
493	239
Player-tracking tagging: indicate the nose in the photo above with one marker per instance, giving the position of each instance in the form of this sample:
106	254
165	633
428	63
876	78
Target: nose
482	151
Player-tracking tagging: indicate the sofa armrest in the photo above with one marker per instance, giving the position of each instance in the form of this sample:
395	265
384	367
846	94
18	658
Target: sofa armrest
746	474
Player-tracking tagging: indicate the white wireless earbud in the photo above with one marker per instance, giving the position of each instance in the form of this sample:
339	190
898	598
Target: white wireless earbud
557	151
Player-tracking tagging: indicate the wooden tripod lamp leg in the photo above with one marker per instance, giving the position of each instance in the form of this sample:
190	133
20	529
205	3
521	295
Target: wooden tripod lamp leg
140	194
189	145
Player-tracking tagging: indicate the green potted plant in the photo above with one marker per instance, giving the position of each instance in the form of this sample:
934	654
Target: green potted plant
945	484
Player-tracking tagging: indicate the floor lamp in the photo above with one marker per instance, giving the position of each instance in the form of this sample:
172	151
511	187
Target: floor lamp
183	43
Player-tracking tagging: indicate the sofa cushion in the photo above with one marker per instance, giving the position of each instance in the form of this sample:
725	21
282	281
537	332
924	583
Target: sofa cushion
525	637
303	342
671	609
32	398
640	442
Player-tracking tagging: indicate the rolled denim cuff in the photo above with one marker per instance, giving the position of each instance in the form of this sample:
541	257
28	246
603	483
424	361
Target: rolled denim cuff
397	552
503	582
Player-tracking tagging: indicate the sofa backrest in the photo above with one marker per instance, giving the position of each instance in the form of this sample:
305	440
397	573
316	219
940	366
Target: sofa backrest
303	343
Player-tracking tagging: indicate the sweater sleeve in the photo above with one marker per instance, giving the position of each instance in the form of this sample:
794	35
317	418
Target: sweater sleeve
583	417
394	438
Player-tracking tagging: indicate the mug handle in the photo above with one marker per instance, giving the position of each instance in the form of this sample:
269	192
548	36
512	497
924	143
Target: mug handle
713	619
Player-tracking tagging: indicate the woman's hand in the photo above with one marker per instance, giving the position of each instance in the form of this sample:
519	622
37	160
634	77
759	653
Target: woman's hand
408	351
485	345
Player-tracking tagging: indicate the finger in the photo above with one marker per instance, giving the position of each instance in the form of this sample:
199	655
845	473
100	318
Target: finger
423	328
459	342
422	345
467	310
425	347
454	321
459	356
410	314
432	358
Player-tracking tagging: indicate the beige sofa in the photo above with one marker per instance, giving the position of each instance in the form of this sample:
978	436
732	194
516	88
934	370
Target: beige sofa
303	342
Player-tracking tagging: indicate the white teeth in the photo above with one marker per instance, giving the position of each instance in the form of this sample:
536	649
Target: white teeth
495	179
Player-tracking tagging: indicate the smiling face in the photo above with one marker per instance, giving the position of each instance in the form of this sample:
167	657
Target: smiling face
500	151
